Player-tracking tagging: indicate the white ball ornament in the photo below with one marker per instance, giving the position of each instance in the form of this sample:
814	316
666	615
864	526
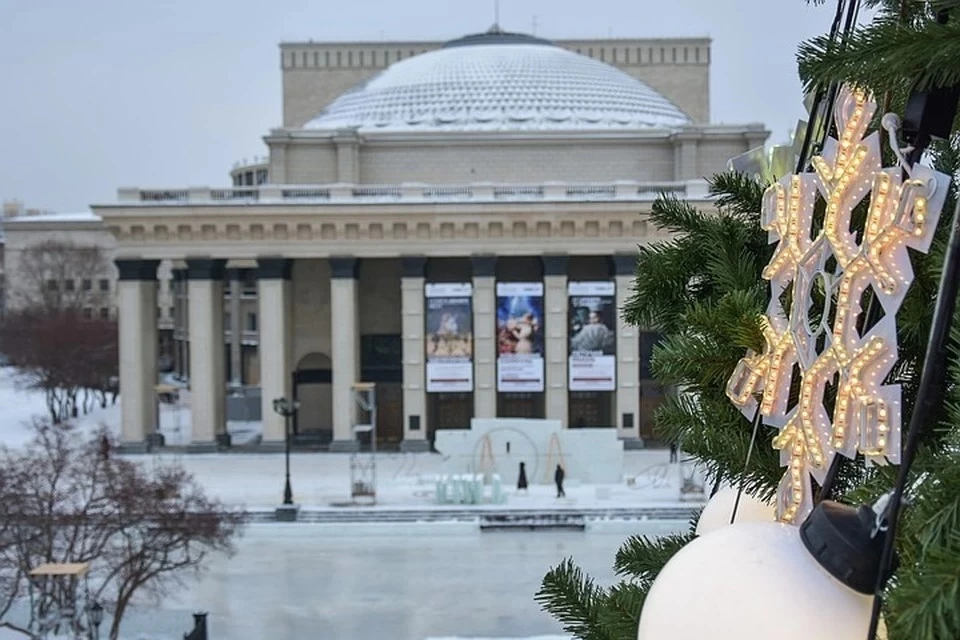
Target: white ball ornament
751	581
720	507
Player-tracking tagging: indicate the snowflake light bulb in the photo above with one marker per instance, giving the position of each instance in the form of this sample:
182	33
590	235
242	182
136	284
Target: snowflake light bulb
902	214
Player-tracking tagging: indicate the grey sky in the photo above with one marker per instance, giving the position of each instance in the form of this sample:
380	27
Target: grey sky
98	94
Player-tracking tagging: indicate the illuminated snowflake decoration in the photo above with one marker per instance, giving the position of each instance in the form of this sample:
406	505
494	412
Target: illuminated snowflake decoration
832	344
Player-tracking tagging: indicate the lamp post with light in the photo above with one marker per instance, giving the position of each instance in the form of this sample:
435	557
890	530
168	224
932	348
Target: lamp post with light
286	408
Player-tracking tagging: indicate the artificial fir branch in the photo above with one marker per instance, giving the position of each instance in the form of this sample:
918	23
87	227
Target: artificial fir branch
621	615
575	600
703	291
886	54
642	558
927	594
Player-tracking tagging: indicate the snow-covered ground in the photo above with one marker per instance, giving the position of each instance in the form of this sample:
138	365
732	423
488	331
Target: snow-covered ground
438	581
320	480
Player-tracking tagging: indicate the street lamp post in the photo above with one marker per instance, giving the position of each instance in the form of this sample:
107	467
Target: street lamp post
286	408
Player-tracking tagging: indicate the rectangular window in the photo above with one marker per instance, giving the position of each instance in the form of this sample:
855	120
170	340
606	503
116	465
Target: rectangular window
87	284
226	320
104	285
52	285
104	313
251	321
69	285
170	312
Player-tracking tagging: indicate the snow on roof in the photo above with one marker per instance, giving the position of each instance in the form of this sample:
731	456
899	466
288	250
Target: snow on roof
82	216
500	86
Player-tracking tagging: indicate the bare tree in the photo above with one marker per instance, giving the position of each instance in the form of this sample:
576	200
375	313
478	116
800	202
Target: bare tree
61	353
70	500
58	275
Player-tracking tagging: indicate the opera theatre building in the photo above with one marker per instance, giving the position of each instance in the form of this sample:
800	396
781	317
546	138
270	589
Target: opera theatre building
456	223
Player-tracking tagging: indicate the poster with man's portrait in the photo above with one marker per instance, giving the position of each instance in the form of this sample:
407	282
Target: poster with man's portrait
592	360
520	337
449	337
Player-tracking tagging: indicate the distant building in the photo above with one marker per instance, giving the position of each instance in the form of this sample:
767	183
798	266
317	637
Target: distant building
451	221
26	228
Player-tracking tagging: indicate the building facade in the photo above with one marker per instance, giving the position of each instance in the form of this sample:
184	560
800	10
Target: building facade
459	228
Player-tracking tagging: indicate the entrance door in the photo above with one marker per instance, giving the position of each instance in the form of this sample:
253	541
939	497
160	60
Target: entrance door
381	363
520	405
313	423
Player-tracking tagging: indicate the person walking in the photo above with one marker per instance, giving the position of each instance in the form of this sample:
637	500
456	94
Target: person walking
522	478
558	476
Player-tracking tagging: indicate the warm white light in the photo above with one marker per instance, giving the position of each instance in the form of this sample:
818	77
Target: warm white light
901	215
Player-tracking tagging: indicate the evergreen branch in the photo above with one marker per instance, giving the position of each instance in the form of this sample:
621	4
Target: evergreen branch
924	602
737	193
621	616
885	54
575	600
642	558
669	213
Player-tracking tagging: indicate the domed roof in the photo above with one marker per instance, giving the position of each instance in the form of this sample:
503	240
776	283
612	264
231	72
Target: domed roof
500	82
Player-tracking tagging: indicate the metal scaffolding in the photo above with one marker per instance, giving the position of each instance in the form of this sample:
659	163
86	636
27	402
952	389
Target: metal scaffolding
363	462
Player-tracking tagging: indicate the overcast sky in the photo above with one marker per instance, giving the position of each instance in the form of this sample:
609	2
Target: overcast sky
97	94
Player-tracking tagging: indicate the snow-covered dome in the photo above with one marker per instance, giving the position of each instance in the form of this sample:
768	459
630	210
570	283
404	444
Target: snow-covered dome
500	82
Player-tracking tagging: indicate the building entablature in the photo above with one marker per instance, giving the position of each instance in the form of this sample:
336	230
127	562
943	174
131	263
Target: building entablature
575	219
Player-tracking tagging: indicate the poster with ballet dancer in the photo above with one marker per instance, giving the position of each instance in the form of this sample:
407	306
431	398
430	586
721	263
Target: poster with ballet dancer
592	361
520	337
449	334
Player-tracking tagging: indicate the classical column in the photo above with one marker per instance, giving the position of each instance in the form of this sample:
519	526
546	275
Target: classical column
484	336
236	329
207	371
628	356
345	349
137	303
555	306
412	324
179	322
276	343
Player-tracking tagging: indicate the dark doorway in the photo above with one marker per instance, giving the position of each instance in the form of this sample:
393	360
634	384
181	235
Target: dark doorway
312	387
381	363
520	405
448	411
591	409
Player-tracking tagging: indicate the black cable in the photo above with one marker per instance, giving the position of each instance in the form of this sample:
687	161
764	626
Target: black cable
927	406
929	403
818	98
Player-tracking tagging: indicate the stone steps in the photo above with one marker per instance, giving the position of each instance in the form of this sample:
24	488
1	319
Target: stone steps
487	519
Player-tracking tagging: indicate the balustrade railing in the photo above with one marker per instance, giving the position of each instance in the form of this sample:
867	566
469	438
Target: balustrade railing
373	194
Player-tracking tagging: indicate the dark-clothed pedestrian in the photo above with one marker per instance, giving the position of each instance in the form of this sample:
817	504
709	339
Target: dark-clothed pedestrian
558	476
522	478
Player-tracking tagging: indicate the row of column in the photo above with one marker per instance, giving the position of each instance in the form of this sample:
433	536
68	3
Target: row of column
137	291
137	301
555	280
